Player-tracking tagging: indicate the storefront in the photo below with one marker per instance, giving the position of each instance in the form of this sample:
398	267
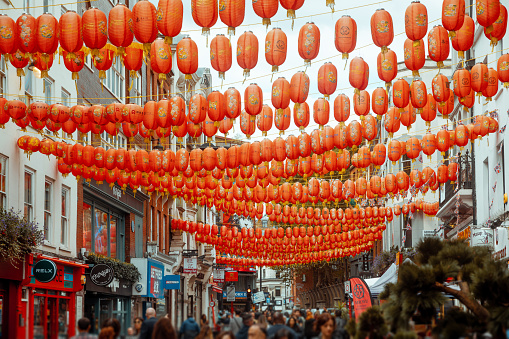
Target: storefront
10	300
110	219
50	298
105	302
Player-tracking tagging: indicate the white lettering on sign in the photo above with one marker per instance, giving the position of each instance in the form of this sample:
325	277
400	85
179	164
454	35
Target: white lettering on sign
117	193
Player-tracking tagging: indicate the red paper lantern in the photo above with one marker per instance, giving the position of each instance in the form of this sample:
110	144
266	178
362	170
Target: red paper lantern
382	30
414	55
345	35
299	87
27	33
120	27
301	116
169	18
358	74
416	21
309	42
47	34
265	9
160	57
145	24
221	54
321	110
387	66
247	52
499	27
361	104
204	14
401	94
275	45
327	79
453	13
280	94
95	29
429	111
418	95
464	37
187	56
233	103
503	69
253	99
264	120
487	12
438	45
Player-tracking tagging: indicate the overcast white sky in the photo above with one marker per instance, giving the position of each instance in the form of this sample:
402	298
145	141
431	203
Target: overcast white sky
312	11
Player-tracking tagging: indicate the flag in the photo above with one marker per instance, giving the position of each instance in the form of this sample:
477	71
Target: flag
498	168
494	186
502	129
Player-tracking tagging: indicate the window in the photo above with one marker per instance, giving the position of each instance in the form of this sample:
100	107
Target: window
48	190
88	62
278	291
303	278
29	79
136	90
48	90
113	141
65	97
46	5
115	79
26	6
64	220
3	181
100	231
3	78
278	275
264	273
29	205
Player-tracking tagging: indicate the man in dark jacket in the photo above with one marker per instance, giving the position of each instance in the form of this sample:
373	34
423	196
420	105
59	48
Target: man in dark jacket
247	321
279	324
148	325
189	328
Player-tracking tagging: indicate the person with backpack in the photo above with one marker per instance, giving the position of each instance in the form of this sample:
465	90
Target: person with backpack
189	328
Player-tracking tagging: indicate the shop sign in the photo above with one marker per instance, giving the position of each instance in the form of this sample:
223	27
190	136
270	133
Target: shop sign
151	283
45	270
218	276
190	266
482	237
500	244
231	276
239	295
258	297
172	282
101	274
230	294
155	278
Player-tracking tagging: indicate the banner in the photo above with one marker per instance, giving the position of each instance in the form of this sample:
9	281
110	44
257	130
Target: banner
190	266
361	296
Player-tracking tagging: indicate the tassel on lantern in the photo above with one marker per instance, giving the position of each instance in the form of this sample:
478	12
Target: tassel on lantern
247	73
291	14
168	40
415	73
102	75
440	64
330	4
266	22
206	31
231	31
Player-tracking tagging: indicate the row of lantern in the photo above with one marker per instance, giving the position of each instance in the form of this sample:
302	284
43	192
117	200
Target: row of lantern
321	143
221	54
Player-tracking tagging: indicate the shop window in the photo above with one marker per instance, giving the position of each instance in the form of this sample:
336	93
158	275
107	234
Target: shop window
3	182
29	199
100	231
64	223
48	221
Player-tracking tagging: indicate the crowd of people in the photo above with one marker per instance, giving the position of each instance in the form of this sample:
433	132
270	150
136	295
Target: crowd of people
299	324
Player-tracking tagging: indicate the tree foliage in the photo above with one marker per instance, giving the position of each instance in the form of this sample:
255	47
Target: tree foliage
469	274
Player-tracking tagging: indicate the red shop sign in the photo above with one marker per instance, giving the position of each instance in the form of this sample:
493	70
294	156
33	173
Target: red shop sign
68	276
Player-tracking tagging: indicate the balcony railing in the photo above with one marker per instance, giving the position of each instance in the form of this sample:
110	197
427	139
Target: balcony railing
465	179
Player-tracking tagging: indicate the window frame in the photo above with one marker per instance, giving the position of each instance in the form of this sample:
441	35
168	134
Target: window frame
4	172
48	85
48	210
277	291
64	216
3	77
30	215
136	98
113	74
65	97
113	141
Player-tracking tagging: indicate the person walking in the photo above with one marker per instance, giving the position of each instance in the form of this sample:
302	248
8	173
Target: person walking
279	324
163	329
309	331
205	333
325	325
340	332
83	329
236	323
189	328
256	332
148	325
247	321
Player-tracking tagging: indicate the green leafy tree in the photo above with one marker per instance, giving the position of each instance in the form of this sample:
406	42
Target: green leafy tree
482	285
